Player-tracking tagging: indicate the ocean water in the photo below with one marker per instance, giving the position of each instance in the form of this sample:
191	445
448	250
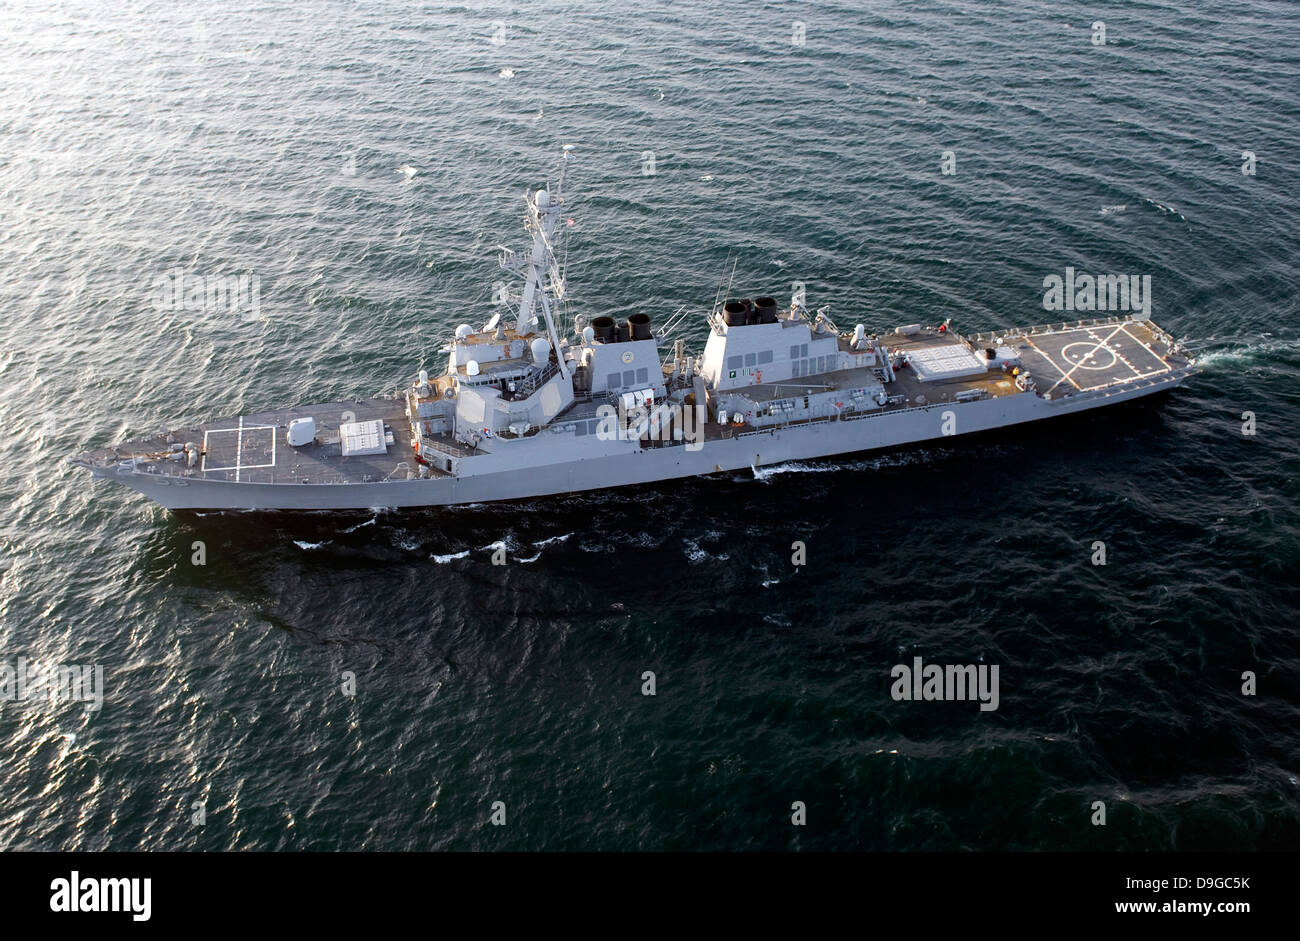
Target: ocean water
362	160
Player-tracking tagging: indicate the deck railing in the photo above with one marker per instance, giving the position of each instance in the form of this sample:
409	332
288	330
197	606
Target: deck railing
1012	332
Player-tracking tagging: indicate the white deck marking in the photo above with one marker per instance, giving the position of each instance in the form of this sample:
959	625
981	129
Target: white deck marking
239	464
1137	373
1103	343
1085	360
1064	374
1142	343
1148	375
1120	357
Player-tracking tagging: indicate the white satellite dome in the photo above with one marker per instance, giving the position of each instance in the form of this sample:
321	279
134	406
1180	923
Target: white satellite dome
463	331
541	351
471	368
543	199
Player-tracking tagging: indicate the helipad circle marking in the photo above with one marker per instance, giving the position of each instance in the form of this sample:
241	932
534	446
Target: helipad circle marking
1084	355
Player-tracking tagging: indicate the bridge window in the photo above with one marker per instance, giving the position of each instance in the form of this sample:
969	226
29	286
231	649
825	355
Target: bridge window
629	377
735	362
612	381
750	359
794	352
764	356
642	376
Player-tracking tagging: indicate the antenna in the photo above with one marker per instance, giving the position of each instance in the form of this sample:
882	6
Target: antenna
560	267
718	295
567	150
733	276
674	321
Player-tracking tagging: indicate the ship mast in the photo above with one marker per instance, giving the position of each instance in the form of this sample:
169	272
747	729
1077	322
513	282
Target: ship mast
542	220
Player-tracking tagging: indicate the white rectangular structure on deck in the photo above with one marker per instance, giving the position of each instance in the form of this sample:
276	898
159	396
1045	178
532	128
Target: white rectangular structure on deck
945	362
362	437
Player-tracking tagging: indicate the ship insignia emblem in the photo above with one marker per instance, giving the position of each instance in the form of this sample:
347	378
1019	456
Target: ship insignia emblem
627	356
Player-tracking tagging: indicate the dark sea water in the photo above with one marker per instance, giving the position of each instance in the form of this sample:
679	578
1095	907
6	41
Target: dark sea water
269	139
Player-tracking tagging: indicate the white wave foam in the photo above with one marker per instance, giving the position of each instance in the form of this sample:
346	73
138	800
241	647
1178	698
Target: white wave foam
543	543
1246	353
1167	210
695	553
507	543
900	459
794	467
444	559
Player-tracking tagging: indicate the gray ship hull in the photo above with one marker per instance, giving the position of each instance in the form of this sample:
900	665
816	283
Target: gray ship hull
526	468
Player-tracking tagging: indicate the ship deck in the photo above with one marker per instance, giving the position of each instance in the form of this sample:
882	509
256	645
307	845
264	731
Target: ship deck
253	448
1064	359
1081	359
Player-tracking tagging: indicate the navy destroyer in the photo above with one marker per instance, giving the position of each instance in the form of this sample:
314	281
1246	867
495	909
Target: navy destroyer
535	403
